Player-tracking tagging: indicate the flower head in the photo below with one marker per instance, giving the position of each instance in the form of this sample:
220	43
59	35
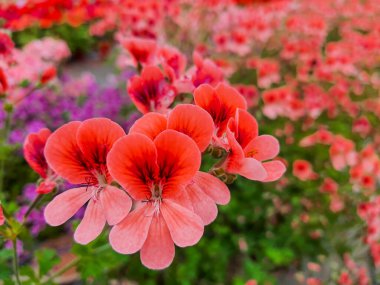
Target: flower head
142	50
151	92
204	191
77	151
249	152
34	147
220	102
6	44
155	174
185	118
303	170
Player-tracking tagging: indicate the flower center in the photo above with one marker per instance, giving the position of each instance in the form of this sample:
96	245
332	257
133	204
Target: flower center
252	153
97	183
156	190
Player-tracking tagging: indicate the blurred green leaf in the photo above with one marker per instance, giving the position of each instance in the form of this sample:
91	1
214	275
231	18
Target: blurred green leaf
47	259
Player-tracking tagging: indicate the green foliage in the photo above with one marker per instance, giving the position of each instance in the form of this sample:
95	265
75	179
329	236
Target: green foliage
47	259
78	38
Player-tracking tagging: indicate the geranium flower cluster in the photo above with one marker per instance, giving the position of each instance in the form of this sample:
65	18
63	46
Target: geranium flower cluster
348	273
153	170
22	15
41	57
307	70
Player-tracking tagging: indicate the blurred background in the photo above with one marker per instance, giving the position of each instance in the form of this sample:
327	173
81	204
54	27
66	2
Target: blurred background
310	71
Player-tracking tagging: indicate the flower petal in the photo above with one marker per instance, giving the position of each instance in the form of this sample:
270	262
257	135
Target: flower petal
129	235
151	92
92	223
246	127
151	124
213	187
236	153
95	139
237	163
194	122
158	250
65	205
64	156
252	169
205	97
231	97
132	162
116	204
186	228
178	159
263	147
182	199
203	205
230	100
275	170
34	151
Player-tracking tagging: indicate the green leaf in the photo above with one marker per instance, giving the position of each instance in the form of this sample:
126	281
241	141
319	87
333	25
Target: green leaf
29	271
279	256
46	258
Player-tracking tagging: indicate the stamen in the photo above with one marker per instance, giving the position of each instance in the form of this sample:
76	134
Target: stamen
252	152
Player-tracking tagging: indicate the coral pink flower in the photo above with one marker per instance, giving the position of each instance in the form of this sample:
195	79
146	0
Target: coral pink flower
249	153
204	190
2	217
329	186
34	146
206	72
315	267
321	136
6	44
375	252
345	279
173	60
363	276
185	118
155	174
151	92
250	94
336	204
142	50
220	102
77	152
48	75
362	126
268	71
342	153
313	281
3	81
303	170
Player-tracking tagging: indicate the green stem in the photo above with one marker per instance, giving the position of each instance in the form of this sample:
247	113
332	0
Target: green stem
32	206
38	86
73	263
63	270
15	262
4	141
372	270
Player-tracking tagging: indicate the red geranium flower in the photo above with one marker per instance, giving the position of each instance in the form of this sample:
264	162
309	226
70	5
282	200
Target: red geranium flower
34	146
204	191
77	151
249	153
151	92
155	174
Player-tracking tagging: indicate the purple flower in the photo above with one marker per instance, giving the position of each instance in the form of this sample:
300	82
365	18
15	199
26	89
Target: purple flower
29	191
